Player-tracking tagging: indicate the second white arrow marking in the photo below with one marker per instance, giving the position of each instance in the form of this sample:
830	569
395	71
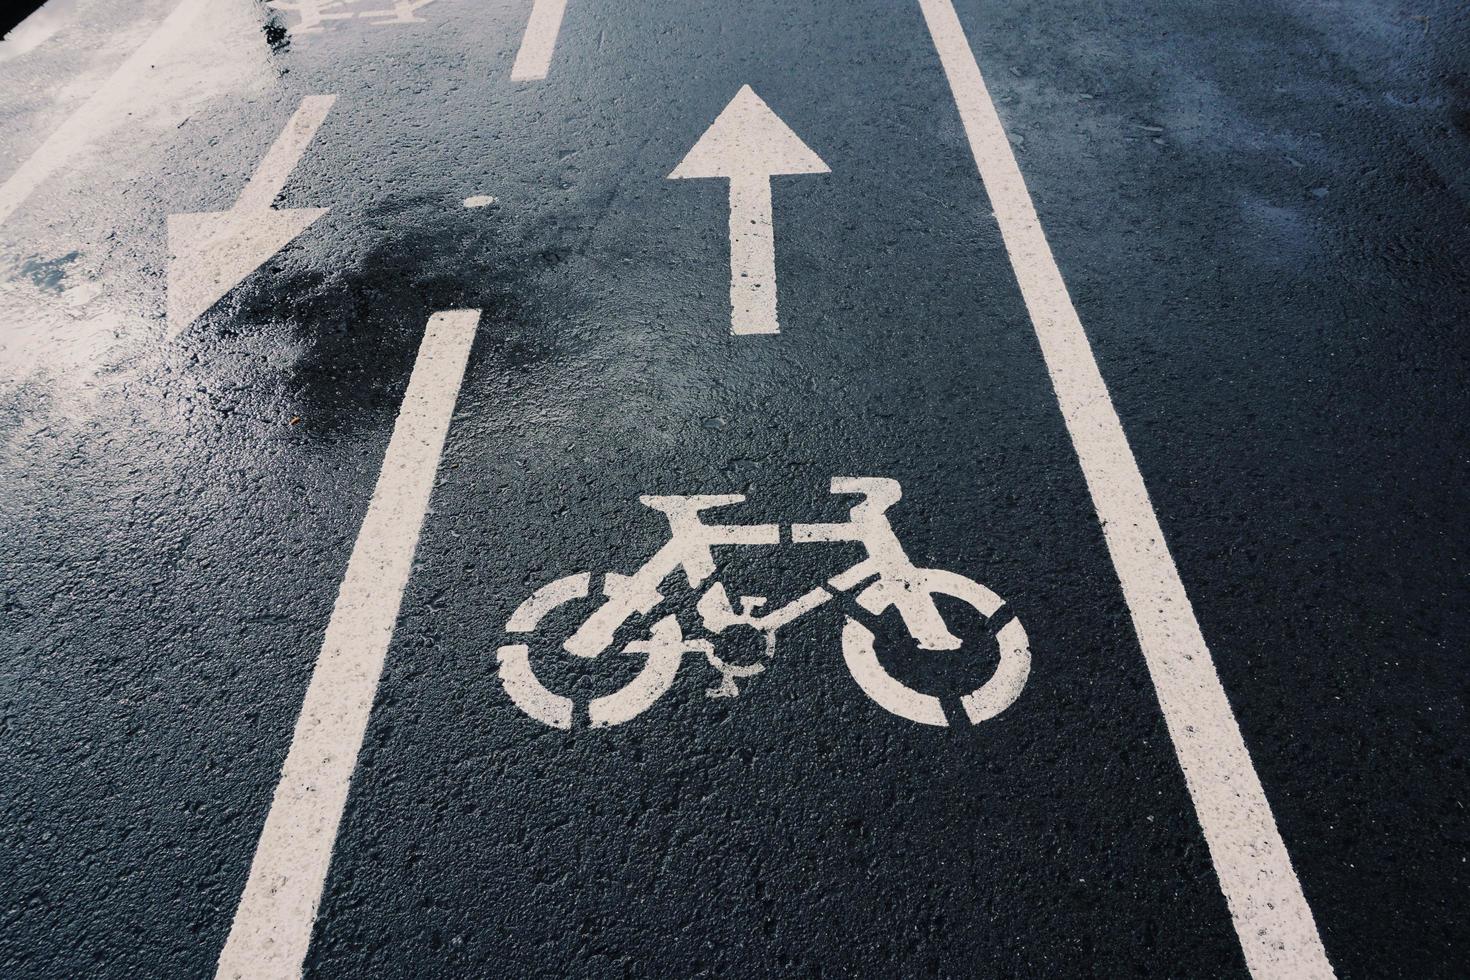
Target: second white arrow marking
212	252
748	144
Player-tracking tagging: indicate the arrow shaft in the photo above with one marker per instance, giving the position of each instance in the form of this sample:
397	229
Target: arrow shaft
752	256
284	153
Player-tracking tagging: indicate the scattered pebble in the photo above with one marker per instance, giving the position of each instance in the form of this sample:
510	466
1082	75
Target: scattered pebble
478	201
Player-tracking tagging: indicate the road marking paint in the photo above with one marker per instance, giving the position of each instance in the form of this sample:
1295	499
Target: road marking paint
479	201
273	923
889	693
402	12
36	29
312	14
212	252
1271	915
92	117
748	144
533	61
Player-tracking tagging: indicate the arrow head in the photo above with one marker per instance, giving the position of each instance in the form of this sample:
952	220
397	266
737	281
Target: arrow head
748	139
212	253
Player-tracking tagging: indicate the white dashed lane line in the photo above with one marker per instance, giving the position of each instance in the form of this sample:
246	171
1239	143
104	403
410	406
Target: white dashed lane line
533	61
272	926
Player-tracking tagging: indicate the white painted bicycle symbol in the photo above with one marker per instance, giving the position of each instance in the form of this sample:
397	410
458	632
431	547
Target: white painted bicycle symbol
886	577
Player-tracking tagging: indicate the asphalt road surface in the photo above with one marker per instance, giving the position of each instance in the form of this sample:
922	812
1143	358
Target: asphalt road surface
864	488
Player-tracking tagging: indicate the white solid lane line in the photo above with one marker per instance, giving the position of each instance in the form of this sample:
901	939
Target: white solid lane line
533	61
212	252
273	923
84	125
1272	919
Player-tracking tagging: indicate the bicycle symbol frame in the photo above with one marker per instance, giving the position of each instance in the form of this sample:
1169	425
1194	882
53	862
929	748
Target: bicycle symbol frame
885	576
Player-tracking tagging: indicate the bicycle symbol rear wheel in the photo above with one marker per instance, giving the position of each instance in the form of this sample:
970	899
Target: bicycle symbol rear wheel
664	648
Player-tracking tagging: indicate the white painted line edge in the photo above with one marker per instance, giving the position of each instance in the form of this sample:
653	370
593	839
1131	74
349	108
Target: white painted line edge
533	61
1272	919
272	926
82	126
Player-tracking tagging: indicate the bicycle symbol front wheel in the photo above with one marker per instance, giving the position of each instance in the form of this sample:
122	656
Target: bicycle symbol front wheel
984	702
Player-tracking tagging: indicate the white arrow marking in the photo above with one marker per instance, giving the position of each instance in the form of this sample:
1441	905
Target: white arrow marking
748	143
212	252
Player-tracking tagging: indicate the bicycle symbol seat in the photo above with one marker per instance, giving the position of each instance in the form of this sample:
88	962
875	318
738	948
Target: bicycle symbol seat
886	578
